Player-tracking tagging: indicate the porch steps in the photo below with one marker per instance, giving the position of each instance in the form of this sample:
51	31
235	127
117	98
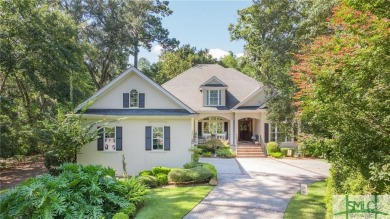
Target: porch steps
250	151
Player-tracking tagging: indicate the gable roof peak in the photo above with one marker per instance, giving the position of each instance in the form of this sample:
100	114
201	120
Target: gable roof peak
214	82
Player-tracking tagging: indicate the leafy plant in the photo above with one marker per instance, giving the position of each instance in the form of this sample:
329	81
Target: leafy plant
225	152
207	154
78	191
120	215
195	154
276	154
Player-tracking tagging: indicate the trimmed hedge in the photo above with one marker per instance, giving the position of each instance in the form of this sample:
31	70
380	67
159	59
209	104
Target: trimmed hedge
190	165
272	147
157	170
180	175
162	179
284	151
150	181
212	168
120	215
145	173
198	174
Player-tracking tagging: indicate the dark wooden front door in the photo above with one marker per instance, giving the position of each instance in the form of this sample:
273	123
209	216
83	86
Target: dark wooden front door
245	129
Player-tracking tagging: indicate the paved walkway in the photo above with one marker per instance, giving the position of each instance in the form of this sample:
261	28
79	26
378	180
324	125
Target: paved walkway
256	187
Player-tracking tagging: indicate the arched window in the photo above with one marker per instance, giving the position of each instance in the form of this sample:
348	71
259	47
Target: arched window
133	98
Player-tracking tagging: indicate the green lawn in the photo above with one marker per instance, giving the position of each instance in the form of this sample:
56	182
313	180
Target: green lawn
308	206
172	202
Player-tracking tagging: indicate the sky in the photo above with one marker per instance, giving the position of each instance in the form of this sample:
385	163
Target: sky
202	24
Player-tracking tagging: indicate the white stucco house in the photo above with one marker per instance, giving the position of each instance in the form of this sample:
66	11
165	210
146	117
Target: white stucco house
155	125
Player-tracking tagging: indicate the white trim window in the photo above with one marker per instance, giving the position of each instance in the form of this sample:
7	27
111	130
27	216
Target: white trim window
277	135
109	139
213	125
134	99
158	138
214	98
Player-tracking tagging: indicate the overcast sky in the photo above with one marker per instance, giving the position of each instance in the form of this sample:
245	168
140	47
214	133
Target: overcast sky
202	24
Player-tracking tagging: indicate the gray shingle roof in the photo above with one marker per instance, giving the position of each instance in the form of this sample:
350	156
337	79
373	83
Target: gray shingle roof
139	112
186	86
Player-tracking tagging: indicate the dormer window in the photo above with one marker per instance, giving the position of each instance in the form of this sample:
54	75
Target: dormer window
214	98
134	98
214	92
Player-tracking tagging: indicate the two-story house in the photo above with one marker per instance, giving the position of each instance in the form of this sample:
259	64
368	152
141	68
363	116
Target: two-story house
155	125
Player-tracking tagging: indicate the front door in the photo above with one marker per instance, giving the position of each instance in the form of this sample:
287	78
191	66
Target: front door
245	129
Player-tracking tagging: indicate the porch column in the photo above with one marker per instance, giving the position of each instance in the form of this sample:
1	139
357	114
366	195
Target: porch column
231	131
235	131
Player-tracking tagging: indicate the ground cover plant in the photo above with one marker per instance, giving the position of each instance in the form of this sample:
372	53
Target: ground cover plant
77	192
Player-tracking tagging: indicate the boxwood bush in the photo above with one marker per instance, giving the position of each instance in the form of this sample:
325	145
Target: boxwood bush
198	174
162	179
190	165
211	167
150	181
272	147
77	192
145	173
157	170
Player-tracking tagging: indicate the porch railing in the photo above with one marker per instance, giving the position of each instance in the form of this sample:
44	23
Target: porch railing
207	137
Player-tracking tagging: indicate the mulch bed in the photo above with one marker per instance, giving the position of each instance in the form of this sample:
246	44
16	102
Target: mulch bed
16	172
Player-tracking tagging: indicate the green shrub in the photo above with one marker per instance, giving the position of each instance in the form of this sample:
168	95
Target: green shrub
130	210
207	154
206	148
52	161
212	168
157	170
311	146
150	181
225	152
135	191
197	174
85	191
145	173
120	215
201	174
180	175
272	147
276	154
195	155
192	165
285	150
162	178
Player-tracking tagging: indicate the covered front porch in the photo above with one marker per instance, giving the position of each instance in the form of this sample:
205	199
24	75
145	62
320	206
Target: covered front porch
235	128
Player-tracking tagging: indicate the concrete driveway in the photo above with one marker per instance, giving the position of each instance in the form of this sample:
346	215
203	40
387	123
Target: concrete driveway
256	187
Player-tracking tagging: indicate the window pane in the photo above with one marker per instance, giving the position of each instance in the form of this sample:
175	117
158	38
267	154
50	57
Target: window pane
206	127
157	132
158	138
219	127
133	98
109	139
213	97
158	144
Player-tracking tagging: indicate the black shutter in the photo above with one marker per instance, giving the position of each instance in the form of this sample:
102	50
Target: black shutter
167	138
266	132
199	129
141	100
100	138
125	100
226	127
148	138
118	141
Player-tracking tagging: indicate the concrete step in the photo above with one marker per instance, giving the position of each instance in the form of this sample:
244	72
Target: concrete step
250	151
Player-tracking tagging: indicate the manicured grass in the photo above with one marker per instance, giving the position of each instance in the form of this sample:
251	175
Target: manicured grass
172	202
308	206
